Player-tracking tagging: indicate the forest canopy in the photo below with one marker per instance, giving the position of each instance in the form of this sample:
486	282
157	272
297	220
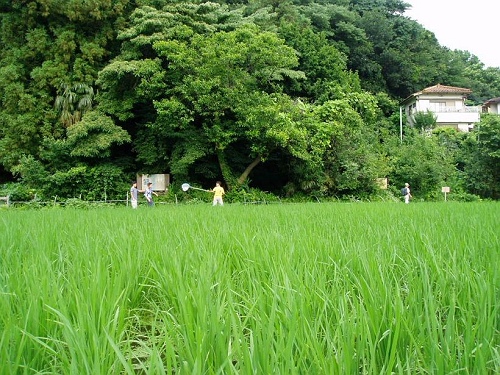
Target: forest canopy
294	97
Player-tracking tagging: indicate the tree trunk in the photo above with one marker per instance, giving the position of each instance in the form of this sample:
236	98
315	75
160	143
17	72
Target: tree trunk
227	174
249	169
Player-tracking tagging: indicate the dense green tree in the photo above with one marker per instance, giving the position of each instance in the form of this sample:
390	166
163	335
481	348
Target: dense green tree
225	95
206	90
327	75
481	152
422	161
346	134
138	77
466	70
73	102
385	6
94	136
49	48
412	60
216	96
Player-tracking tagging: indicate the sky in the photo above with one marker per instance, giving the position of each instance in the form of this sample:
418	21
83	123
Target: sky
465	25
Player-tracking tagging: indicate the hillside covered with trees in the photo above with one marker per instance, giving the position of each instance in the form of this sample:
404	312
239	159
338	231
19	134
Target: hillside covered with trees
294	97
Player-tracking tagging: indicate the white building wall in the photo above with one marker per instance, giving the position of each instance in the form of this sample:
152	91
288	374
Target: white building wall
448	113
457	117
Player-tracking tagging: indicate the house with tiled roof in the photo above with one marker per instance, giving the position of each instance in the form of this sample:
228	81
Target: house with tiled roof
492	106
447	103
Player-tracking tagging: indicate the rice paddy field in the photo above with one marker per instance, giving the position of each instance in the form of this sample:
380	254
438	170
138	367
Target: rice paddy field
313	288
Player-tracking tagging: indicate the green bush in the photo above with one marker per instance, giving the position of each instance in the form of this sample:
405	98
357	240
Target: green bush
462	196
18	192
250	195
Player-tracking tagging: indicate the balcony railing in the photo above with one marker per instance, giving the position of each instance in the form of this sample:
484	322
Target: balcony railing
466	109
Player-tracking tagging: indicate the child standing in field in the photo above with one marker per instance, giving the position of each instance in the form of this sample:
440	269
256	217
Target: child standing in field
148	193
218	193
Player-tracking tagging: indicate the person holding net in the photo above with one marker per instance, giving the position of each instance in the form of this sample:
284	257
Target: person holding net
218	193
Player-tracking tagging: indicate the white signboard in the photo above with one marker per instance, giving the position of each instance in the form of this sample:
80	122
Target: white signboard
160	181
445	189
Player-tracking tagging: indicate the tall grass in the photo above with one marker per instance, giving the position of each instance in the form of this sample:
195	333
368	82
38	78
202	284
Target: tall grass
288	289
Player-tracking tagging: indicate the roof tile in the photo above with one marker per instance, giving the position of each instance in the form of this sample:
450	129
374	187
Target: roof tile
446	89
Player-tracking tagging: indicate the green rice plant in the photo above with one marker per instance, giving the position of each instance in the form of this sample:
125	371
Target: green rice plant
334	288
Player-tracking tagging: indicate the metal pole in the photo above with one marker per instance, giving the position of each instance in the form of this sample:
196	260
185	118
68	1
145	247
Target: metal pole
401	123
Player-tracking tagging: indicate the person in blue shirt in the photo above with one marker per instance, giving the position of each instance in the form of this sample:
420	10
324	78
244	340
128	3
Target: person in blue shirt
148	193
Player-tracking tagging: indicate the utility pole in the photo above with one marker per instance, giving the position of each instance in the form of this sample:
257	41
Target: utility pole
401	124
